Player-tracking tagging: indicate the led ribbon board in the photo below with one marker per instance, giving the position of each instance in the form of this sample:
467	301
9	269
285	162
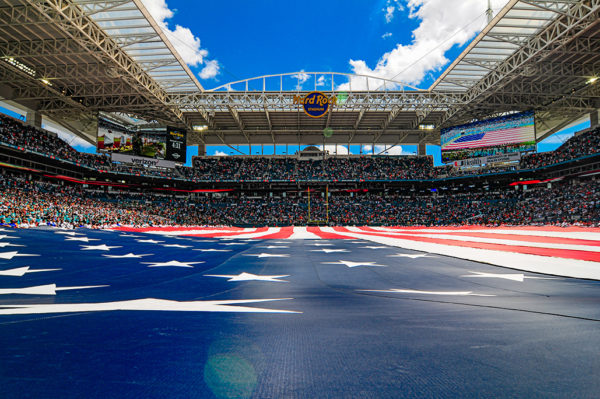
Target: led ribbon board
316	104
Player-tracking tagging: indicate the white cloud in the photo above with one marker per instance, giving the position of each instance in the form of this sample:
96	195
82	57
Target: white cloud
396	150
389	13
321	80
391	7
383	150
443	24
341	149
302	77
220	154
386	35
210	70
182	38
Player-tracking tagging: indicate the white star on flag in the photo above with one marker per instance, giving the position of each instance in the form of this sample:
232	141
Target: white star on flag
12	254
212	250
144	304
412	256
265	255
84	239
520	277
176	246
150	241
275	246
234	243
102	247
21	271
352	264
68	233
3	236
375	247
455	293
171	263
326	250
8	244
49	289
129	255
250	277
324	244
129	235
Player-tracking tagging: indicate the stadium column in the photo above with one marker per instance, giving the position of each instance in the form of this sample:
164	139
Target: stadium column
594	117
422	148
34	118
201	150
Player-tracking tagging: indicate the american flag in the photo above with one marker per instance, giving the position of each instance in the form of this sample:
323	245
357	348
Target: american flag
572	251
520	134
205	312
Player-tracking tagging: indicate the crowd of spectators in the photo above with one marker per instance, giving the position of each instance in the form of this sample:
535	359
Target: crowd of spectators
328	169
25	203
578	146
18	134
363	168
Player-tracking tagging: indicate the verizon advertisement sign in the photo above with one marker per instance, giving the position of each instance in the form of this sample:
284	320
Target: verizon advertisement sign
512	157
142	161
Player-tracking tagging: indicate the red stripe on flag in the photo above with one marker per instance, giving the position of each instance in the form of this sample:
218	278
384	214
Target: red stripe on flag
559	253
259	230
145	229
326	235
284	232
504	236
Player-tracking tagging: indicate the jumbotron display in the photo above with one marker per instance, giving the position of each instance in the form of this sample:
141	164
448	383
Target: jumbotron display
164	143
506	134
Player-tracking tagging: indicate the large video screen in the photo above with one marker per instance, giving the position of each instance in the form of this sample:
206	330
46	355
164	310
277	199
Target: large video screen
168	143
503	135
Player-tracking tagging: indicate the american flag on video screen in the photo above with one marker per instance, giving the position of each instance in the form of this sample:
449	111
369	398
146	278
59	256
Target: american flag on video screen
519	134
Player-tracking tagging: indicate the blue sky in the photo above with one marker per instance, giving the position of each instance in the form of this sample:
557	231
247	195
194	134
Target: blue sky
406	40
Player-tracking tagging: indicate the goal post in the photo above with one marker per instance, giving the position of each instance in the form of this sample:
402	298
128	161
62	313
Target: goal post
316	221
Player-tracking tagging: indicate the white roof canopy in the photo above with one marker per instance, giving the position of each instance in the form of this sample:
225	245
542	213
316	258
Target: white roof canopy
133	28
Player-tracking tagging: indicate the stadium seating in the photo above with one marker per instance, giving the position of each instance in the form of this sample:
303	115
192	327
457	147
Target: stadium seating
24	203
365	168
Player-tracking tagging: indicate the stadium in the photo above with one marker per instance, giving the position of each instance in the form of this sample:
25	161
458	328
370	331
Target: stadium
271	237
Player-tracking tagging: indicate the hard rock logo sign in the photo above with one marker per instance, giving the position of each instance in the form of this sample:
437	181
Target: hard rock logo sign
316	104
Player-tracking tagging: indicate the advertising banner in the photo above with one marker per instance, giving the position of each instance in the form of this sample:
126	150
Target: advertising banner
176	144
142	161
511	157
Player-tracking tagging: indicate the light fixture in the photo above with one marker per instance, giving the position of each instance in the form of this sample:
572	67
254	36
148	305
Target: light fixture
199	128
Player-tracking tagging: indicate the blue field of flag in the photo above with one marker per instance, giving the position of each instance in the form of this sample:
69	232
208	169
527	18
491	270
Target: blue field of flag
103	314
470	137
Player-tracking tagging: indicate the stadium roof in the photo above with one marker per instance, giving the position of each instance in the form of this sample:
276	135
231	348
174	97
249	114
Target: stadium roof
513	26
70	59
130	25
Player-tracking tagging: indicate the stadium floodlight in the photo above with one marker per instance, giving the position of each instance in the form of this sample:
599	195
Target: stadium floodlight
426	127
199	128
592	80
19	65
46	82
